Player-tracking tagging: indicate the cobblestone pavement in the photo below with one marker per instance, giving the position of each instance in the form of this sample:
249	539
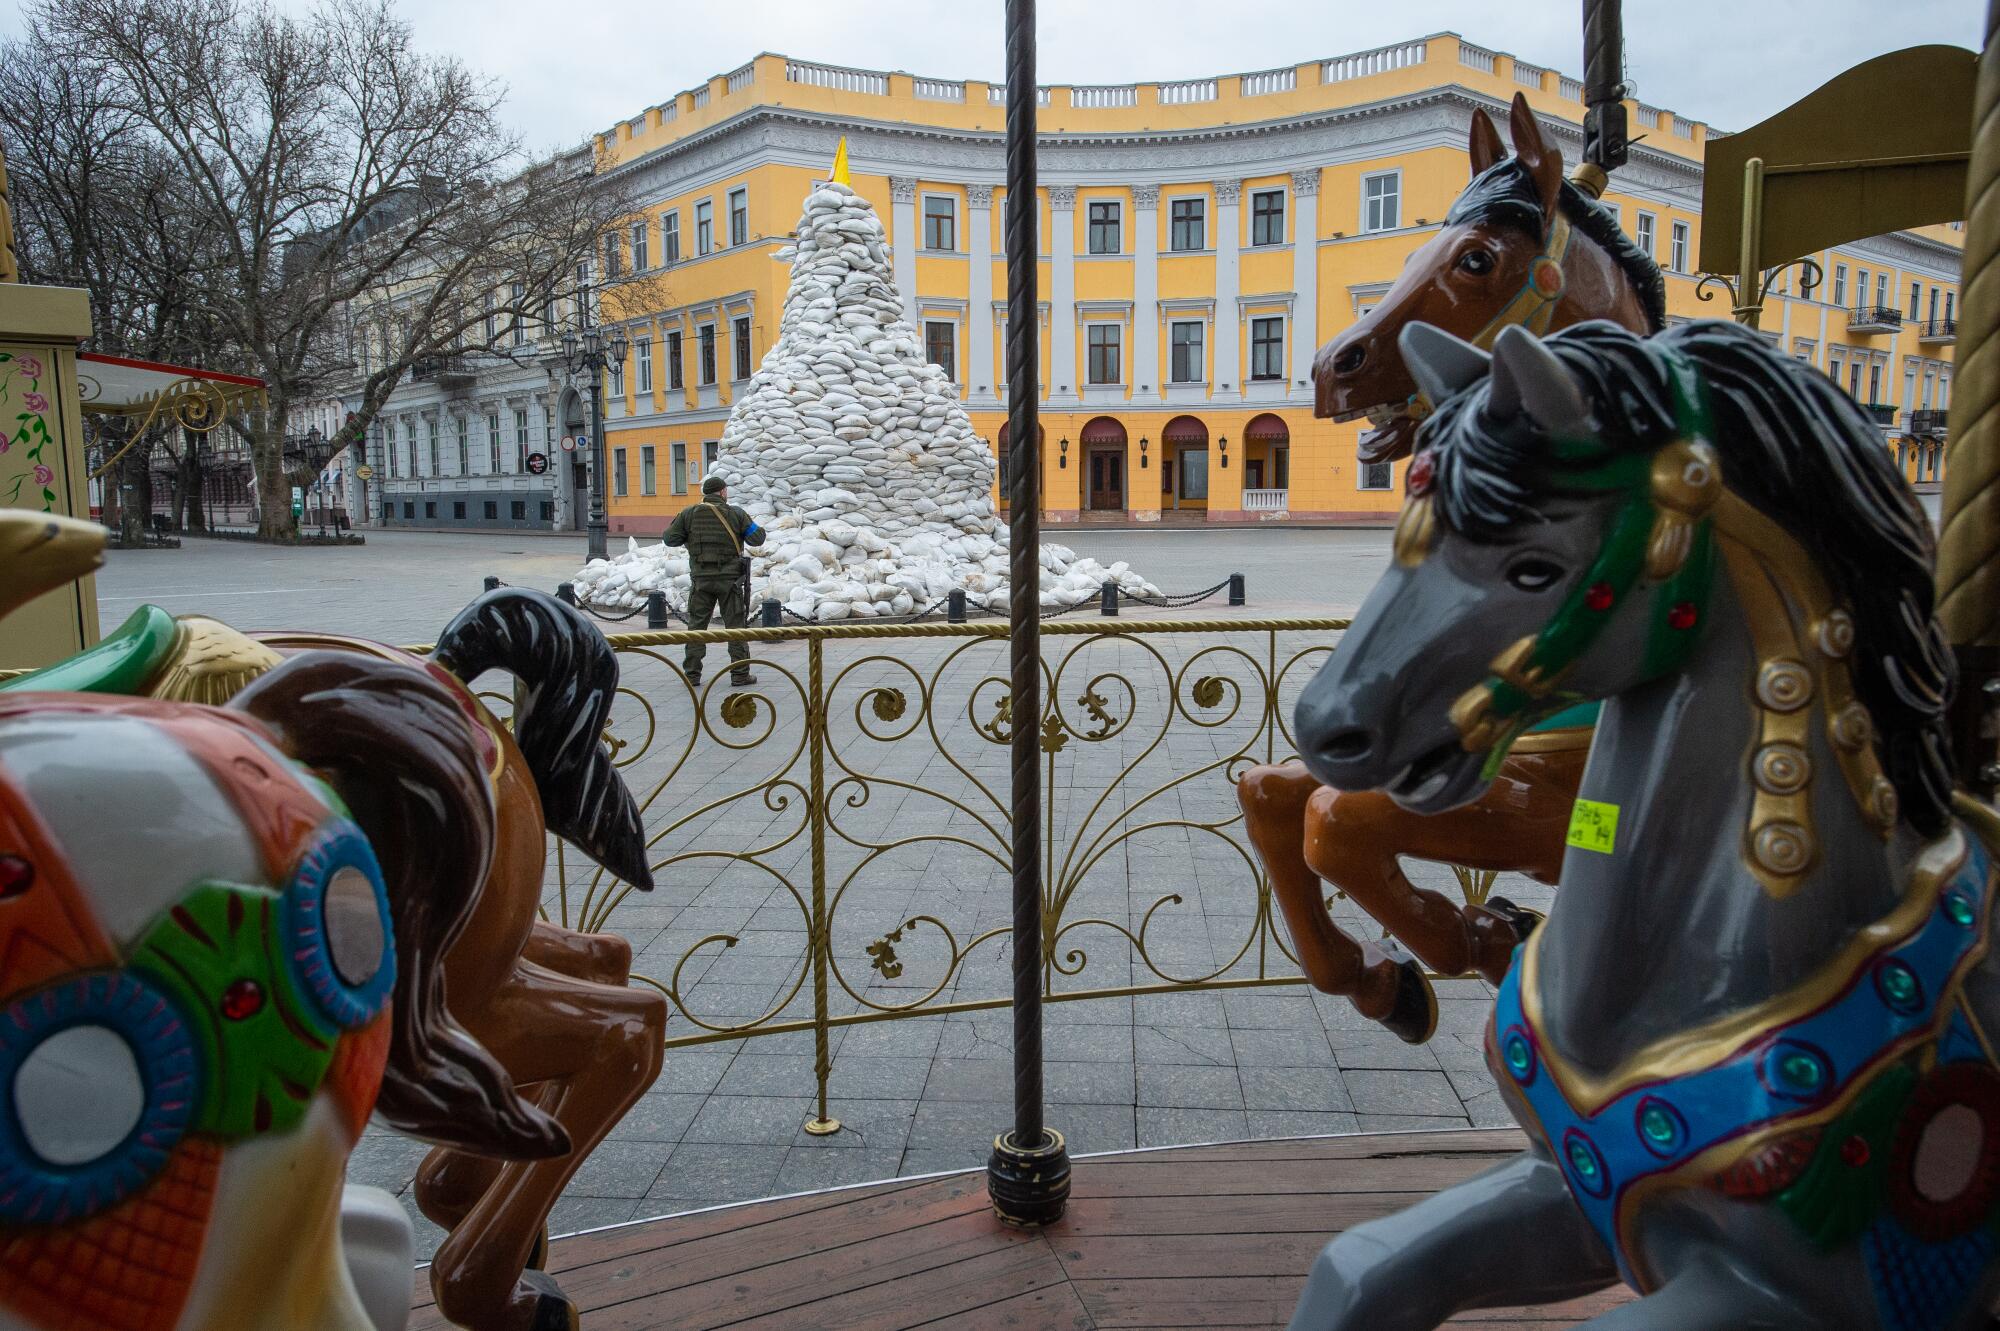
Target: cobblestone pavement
1143	844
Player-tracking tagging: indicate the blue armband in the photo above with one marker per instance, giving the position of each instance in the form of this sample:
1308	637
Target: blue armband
753	533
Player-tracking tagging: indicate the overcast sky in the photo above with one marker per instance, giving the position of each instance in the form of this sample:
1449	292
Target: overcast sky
574	67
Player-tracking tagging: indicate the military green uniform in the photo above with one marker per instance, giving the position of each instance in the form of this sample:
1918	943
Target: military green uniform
715	534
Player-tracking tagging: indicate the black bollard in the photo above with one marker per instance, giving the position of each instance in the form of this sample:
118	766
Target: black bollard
768	614
656	610
1107	599
492	583
954	606
566	593
1236	589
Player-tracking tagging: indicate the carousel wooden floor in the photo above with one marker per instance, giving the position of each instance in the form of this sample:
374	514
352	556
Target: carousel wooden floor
1202	1236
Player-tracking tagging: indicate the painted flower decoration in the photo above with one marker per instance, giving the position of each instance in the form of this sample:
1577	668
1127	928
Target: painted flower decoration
30	366
34	402
43	476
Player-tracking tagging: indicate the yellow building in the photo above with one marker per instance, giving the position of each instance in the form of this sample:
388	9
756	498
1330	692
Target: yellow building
1201	239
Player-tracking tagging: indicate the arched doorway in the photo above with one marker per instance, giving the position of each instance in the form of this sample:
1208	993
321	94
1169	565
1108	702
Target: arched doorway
573	465
1103	442
1184	464
1004	479
1267	462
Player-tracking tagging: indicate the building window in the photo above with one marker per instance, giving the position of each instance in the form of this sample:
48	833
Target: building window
680	466
941	346
707	335
612	257
431	438
517	300
1882	290
675	374
430	509
709	451
583	294
1105	341
1854	380
618	472
1678	248
618	378
517	509
739	336
1105	227
1875	382
1840	284
940	222
1949	296
1267	348
409	508
491	509
520	441
1916	299
1376	475
648	473
704	228
642	354
639	256
1188	364
1644	233
464	446
1267	217
1382	201
1861	286
493	442
548	510
1933	304
739	217
1189	231
670	237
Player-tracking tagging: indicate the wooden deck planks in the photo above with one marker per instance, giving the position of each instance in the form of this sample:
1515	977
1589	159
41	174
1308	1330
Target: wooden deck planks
1210	1236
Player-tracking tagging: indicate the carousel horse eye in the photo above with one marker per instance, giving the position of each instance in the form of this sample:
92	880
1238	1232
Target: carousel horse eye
353	926
1533	573
1477	262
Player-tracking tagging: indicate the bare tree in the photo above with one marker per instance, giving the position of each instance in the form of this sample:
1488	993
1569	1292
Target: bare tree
370	212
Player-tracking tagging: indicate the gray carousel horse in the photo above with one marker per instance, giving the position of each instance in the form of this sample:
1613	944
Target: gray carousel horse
1752	1045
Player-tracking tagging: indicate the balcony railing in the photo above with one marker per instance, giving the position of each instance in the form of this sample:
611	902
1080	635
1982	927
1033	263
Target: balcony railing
1928	423
1938	331
1266	501
1874	319
1883	412
445	371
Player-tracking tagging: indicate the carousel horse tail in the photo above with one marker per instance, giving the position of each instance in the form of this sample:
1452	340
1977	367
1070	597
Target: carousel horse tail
393	744
570	675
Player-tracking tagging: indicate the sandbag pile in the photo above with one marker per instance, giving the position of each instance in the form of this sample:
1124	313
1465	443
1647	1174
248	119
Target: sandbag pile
854	455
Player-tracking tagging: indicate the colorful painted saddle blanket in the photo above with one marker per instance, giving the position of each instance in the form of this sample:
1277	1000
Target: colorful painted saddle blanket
1864	1104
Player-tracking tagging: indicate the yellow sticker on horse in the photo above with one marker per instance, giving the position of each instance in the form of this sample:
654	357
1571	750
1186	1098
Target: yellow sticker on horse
1594	826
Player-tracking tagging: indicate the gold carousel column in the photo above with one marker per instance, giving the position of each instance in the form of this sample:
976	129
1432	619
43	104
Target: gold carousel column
1968	575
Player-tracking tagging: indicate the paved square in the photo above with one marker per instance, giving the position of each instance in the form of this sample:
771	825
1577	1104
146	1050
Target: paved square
1145	843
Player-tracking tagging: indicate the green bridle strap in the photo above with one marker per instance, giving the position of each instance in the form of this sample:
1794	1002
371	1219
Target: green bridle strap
1524	687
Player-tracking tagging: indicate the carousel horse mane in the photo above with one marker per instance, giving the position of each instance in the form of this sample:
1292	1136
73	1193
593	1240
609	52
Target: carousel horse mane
569	676
1795	448
1506	194
394	746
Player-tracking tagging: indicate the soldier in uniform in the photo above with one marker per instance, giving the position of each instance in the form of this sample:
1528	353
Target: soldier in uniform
715	532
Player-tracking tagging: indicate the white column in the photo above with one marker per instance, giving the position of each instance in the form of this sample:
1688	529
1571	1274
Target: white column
1146	292
1061	244
1228	247
904	241
979	375
1305	277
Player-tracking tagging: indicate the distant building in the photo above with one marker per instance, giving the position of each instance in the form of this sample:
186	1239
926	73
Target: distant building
1202	239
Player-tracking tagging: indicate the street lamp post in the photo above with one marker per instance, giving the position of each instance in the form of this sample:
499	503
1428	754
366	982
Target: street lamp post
589	352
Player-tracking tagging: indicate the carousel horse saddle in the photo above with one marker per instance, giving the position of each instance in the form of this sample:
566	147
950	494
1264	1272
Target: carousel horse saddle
190	659
1864	1103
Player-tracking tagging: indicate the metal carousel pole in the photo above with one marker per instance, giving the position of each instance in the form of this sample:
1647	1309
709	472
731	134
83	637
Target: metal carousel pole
1604	140
1968	570
1027	1177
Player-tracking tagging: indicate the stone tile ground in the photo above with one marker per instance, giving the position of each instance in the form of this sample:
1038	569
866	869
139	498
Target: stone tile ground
1142	811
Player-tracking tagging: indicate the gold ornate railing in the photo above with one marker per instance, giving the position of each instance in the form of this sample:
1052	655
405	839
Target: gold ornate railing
831	842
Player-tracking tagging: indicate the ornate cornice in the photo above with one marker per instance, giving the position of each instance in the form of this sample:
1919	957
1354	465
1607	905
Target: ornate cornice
979	196
1305	183
1146	197
1228	191
903	189
1062	198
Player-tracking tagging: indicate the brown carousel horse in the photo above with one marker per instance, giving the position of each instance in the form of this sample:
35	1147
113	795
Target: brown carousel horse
1522	246
550	1005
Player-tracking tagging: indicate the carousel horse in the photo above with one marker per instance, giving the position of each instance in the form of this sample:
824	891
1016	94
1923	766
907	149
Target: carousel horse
1752	1046
1522	247
220	933
552	1006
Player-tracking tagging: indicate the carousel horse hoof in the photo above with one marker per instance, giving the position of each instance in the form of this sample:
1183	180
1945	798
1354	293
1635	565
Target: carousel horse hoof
1523	920
553	1309
1413	1018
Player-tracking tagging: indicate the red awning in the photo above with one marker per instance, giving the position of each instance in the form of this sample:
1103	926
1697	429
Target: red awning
1267	429
1103	430
1185	430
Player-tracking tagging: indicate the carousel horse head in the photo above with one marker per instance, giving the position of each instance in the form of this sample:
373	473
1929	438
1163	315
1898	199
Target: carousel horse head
1506	256
220	936
1558	545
